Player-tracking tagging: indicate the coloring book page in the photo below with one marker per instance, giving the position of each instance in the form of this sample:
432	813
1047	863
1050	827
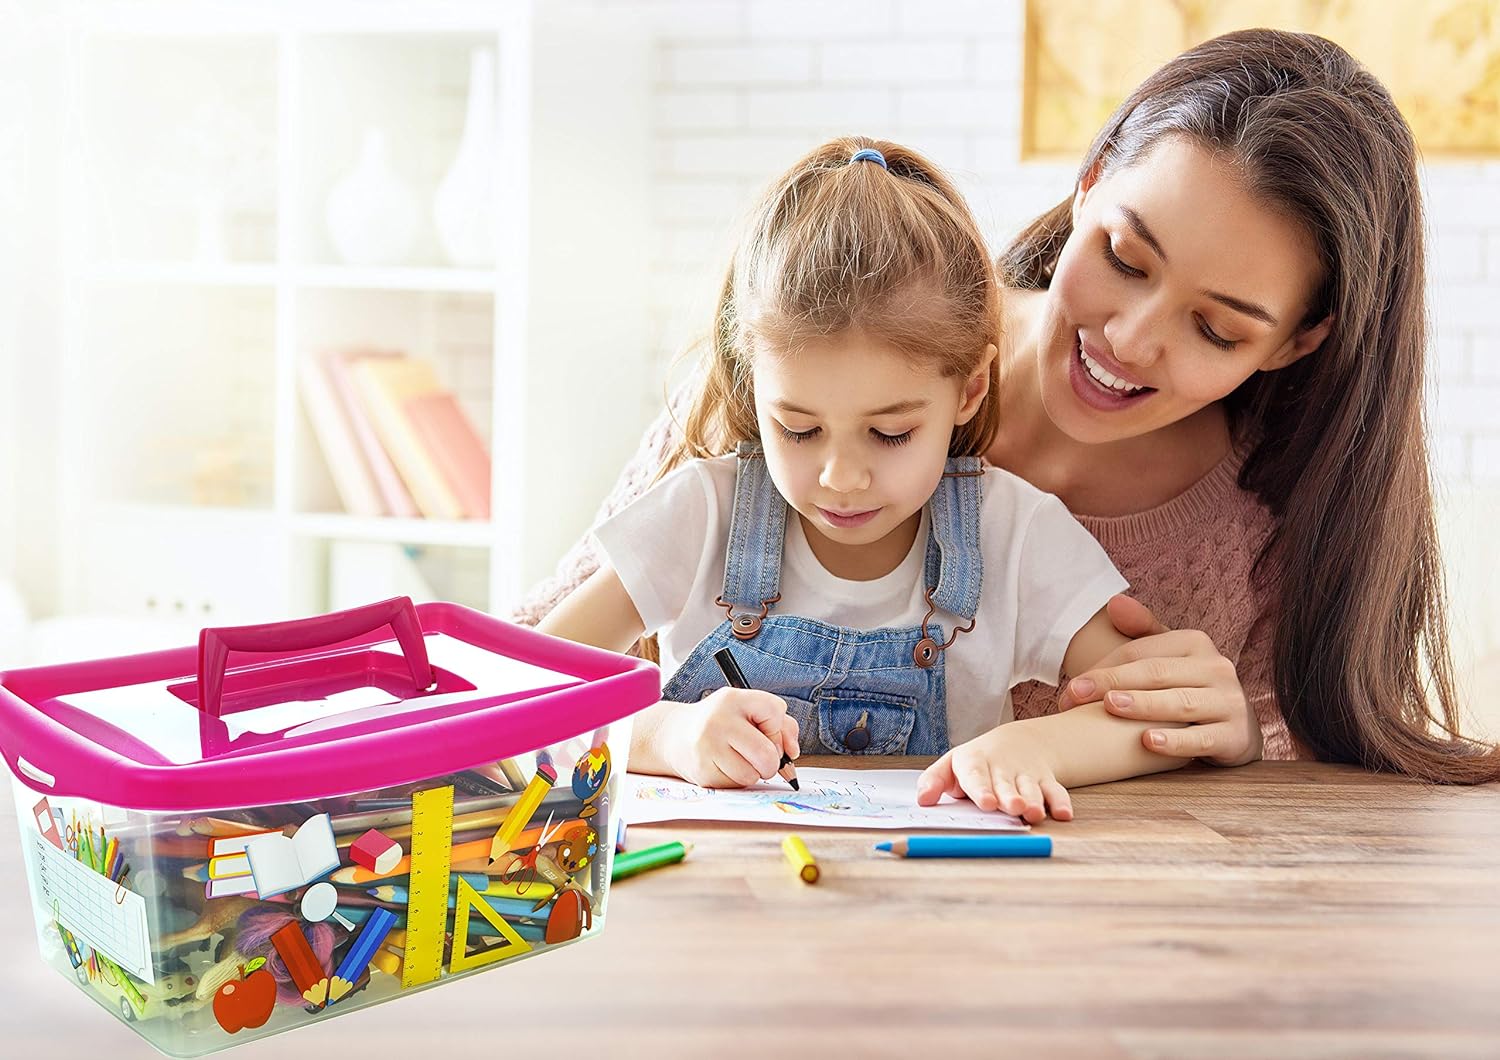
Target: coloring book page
830	798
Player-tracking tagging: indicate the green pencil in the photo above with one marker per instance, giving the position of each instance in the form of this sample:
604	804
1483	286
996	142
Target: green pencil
634	861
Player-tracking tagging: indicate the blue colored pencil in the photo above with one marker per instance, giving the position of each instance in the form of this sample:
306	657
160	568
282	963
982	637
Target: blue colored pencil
518	906
971	846
517	913
358	958
396	892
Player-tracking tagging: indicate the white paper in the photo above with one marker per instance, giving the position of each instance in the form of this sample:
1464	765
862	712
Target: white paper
830	798
106	915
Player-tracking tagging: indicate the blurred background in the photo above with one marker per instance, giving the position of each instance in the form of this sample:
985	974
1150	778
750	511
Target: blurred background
303	304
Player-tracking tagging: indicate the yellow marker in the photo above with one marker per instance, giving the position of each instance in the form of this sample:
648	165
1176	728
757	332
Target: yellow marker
801	858
427	898
520	813
387	962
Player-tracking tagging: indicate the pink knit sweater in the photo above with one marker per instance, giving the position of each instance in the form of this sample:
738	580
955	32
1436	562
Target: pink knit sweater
1188	560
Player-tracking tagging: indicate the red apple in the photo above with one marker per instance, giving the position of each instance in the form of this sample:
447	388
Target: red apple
246	1002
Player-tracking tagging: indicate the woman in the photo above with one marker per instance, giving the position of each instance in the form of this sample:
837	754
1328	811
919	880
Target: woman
1215	354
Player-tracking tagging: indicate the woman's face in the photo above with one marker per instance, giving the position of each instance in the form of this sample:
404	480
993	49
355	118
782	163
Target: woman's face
1174	287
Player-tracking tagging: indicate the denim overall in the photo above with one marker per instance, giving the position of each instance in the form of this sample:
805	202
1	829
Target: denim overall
852	691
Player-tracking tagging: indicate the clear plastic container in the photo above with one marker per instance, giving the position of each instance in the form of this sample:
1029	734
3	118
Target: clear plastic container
219	854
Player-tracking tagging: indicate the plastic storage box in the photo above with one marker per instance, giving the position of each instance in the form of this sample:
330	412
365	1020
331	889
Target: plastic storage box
221	853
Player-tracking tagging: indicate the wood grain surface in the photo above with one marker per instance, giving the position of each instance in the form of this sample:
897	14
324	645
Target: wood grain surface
1281	910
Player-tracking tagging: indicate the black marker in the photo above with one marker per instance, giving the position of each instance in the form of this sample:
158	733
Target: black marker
725	658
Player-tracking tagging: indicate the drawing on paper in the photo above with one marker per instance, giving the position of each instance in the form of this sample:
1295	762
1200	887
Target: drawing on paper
847	798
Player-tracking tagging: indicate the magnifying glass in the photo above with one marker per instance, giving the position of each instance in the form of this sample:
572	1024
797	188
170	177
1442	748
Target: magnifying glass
320	902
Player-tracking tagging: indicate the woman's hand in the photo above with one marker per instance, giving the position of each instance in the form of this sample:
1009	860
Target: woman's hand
1171	676
732	739
1011	768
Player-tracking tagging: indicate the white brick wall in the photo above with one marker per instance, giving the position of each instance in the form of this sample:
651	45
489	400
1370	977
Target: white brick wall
744	86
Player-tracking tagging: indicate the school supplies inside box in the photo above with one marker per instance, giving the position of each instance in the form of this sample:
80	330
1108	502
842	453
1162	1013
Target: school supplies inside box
217	853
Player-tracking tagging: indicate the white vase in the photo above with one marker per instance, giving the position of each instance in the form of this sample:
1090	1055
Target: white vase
464	206
371	214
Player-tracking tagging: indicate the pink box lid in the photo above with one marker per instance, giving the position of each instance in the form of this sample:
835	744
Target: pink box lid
329	705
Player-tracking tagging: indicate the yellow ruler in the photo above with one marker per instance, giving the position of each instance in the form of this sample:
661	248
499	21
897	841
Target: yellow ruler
427	900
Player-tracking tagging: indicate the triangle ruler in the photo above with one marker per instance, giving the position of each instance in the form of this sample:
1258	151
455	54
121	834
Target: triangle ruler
513	946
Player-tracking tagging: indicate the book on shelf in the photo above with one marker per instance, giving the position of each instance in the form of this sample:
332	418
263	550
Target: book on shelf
395	497
443	427
352	477
395	441
388	387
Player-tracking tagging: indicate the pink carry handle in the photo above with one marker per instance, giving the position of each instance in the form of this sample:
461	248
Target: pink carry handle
214	645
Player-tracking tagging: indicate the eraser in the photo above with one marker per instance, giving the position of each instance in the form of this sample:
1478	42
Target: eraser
376	851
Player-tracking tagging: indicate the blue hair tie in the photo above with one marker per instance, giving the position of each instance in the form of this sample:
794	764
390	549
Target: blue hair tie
869	154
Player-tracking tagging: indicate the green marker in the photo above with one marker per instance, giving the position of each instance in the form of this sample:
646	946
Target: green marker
634	861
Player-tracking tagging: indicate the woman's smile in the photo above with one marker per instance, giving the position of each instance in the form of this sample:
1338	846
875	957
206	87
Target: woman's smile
1102	382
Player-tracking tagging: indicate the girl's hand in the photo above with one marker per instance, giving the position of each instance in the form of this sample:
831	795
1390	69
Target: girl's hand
731	739
1171	676
1010	768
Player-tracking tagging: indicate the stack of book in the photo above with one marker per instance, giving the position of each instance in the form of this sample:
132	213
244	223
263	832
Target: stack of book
395	440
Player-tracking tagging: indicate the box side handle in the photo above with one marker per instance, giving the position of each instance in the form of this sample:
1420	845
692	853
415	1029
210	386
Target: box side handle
35	774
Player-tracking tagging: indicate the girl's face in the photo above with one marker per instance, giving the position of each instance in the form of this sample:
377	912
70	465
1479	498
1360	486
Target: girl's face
1174	287
855	435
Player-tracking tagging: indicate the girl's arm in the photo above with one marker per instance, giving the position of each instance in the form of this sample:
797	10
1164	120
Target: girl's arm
1099	747
1180	675
1025	767
734	738
598	612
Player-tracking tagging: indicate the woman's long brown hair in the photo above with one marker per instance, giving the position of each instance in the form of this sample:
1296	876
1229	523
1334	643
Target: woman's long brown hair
1362	668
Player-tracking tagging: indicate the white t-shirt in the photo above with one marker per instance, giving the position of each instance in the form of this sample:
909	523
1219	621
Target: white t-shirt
1044	577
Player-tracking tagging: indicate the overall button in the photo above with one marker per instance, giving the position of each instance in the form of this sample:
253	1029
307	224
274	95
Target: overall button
925	653
858	738
862	721
746	626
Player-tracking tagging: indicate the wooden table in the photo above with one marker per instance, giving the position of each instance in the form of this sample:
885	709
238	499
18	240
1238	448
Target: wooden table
1280	910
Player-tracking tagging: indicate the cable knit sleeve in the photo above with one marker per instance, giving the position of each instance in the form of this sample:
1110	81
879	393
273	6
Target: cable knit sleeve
1258	679
582	559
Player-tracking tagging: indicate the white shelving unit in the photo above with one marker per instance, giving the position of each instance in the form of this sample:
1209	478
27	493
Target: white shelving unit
203	140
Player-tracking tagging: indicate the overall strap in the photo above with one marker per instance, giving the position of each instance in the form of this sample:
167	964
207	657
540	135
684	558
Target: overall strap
955	562
757	532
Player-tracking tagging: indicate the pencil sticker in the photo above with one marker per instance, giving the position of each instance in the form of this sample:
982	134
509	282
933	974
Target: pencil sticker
358	958
427	901
302	964
519	815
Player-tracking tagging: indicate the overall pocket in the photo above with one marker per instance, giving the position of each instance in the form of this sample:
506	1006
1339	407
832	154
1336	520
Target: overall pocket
851	722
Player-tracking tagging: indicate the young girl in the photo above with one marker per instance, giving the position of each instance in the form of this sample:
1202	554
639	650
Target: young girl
880	589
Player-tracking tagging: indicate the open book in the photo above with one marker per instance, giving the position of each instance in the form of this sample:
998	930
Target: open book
280	863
